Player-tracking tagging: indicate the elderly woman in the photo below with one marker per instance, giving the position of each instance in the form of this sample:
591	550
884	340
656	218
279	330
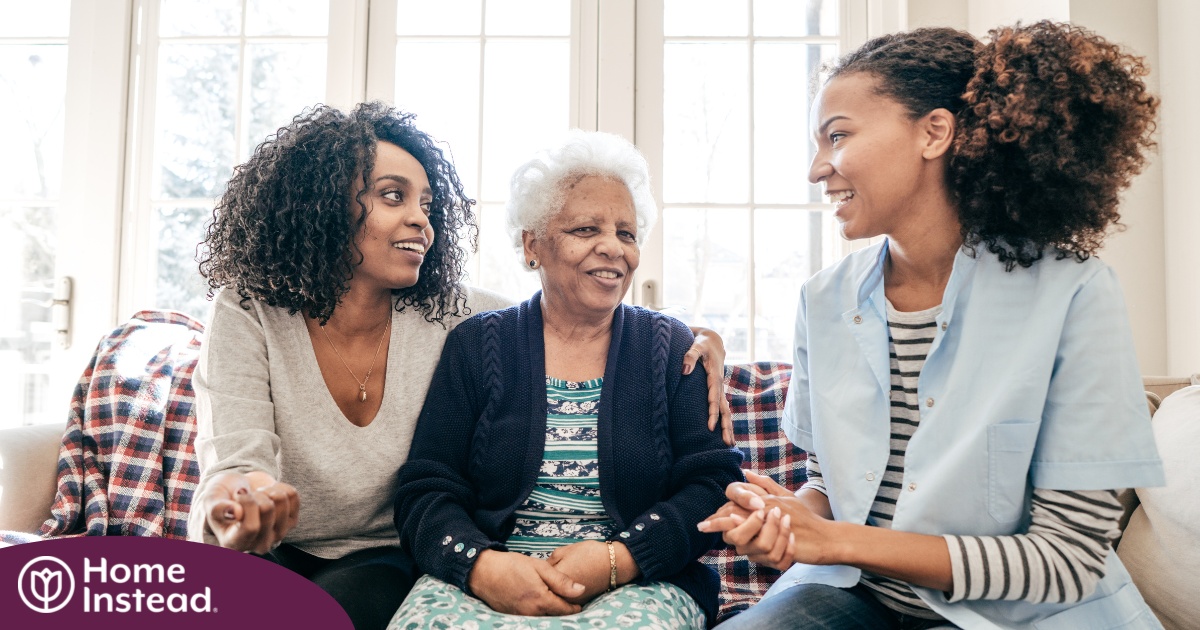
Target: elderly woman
561	462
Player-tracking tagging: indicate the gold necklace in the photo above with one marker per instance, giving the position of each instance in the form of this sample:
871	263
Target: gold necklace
362	385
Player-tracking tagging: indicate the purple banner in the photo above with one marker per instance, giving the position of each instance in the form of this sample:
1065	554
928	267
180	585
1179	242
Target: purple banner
127	582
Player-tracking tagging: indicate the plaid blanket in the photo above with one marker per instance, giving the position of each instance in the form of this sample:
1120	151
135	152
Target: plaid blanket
756	393
126	466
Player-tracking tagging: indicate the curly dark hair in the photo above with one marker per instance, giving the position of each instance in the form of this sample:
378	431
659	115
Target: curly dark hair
1053	121
283	232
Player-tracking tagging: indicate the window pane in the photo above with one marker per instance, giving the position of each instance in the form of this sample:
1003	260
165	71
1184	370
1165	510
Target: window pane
795	17
44	18
287	17
706	271
501	267
450	115
33	81
705	17
444	17
787	250
27	246
782	142
196	117
180	286
706	123
284	78
528	17
199	17
518	122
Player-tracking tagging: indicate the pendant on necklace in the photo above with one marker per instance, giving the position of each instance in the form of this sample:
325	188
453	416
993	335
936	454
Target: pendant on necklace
362	393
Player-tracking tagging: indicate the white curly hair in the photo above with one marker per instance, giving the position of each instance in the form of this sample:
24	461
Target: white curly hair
539	187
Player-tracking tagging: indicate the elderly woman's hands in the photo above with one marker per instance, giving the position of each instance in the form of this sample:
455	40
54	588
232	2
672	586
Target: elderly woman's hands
249	512
770	525
587	562
710	348
516	584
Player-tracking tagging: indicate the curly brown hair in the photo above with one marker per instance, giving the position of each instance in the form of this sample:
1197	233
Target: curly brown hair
283	232
1053	121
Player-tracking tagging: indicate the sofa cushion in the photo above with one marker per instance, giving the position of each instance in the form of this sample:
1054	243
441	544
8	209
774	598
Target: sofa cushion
756	394
28	460
1159	547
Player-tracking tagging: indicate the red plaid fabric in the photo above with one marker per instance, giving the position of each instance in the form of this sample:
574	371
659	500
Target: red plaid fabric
127	466
756	393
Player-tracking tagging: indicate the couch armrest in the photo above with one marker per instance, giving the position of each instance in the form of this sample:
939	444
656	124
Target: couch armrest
28	475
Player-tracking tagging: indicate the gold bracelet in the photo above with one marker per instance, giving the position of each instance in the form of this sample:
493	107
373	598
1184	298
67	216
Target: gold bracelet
612	566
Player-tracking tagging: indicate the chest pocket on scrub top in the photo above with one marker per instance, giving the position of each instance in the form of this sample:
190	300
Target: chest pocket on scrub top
1010	450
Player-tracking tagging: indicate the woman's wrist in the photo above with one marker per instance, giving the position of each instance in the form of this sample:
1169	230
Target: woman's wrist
627	568
840	542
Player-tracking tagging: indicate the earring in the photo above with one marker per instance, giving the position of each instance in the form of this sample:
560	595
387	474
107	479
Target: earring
533	264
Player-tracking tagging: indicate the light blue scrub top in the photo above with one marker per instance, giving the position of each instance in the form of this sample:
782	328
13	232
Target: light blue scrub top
1031	381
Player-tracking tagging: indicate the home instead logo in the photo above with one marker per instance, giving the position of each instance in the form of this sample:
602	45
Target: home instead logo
123	582
41	584
42	579
46	585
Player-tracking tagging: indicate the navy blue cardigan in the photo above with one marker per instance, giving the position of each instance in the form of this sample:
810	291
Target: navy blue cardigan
479	443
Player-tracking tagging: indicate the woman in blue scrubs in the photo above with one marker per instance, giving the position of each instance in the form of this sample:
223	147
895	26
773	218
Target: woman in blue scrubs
967	389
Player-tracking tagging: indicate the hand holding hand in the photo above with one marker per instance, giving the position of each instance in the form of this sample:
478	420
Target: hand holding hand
516	584
249	512
587	563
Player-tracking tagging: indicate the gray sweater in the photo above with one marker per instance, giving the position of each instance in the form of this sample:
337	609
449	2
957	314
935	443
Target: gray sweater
262	405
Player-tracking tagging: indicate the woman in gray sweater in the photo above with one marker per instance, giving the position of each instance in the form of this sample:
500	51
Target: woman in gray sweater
335	250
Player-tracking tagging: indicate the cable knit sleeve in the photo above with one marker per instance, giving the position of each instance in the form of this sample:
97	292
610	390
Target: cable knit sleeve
435	496
664	538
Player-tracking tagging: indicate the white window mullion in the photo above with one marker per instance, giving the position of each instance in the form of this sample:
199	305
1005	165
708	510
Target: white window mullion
138	263
648	135
346	70
93	162
381	51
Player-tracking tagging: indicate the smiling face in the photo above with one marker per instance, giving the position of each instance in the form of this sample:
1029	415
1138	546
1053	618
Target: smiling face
396	234
589	251
879	166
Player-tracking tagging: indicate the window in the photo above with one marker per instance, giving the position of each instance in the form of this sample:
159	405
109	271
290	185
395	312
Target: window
491	79
163	97
33	82
742	228
219	77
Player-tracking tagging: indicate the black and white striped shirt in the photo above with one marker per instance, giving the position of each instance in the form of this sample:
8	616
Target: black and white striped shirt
1060	558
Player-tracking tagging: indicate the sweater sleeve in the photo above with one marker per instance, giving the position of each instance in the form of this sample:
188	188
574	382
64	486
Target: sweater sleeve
1060	559
435	496
664	538
235	415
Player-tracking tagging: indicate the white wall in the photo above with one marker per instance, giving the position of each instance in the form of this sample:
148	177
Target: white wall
1178	21
1137	254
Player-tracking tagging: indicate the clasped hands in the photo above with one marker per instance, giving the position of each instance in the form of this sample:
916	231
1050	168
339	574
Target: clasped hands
572	576
767	523
251	511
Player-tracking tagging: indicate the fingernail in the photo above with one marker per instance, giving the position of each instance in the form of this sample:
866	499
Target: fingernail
228	514
577	587
776	512
687	369
702	526
738	517
756	503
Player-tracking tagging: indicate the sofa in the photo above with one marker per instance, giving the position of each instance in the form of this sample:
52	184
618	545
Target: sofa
29	461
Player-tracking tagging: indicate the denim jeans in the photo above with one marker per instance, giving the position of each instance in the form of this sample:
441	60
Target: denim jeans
818	606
